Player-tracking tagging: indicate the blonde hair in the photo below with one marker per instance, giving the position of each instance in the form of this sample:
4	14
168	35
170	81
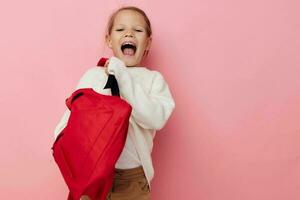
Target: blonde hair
133	8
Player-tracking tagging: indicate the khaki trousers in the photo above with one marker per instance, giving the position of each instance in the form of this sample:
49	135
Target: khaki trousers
129	184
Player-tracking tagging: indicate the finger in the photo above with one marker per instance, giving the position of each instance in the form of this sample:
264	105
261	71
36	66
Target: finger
106	63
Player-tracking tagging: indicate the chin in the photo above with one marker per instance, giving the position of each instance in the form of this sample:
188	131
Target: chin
130	62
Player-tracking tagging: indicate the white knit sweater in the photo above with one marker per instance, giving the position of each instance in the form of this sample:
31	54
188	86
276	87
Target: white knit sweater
148	94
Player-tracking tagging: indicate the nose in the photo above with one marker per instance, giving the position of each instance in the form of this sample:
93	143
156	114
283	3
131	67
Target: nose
129	34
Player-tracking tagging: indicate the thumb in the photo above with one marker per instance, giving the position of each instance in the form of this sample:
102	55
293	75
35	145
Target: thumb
106	63
106	71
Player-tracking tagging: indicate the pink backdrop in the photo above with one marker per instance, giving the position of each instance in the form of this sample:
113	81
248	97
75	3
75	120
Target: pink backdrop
233	69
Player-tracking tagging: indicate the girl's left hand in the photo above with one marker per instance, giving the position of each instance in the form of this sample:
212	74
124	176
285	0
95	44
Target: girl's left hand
84	197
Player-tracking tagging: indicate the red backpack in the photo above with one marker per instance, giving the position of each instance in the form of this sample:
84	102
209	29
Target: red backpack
87	149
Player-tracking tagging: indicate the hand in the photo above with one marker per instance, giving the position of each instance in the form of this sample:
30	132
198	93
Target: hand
105	66
84	197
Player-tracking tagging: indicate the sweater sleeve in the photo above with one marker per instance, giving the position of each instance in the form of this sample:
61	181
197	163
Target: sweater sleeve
149	110
84	82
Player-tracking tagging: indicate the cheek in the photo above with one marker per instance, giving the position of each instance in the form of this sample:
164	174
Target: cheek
115	44
143	44
115	40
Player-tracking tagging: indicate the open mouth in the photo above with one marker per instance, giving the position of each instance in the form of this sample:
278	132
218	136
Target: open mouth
128	48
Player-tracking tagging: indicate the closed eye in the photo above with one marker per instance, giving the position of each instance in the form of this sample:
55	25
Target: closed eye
135	30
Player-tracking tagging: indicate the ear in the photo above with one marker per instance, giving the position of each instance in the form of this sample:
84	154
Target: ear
108	41
149	43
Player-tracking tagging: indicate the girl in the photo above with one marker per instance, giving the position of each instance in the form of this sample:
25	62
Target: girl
129	36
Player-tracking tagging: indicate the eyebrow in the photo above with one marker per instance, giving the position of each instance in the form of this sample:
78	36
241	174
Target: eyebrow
134	26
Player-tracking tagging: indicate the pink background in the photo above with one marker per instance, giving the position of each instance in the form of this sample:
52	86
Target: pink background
233	69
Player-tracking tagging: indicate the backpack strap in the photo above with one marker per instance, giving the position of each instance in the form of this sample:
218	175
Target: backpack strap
74	96
112	81
102	61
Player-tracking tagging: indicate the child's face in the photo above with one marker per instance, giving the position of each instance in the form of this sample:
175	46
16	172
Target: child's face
129	26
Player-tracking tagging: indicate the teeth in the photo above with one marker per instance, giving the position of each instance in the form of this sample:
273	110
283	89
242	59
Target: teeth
131	43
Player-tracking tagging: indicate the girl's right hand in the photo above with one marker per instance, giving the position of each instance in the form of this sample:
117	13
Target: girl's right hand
105	66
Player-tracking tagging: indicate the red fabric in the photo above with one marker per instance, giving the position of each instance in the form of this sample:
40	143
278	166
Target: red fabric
102	61
87	149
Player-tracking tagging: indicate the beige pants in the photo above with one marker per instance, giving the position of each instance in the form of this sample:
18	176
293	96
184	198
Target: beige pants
129	184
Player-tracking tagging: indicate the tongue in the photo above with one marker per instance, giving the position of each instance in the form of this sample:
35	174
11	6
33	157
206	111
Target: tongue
128	51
